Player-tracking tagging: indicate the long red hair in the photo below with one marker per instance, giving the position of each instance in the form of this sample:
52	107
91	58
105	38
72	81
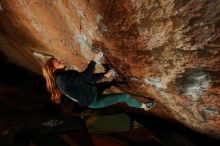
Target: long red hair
48	69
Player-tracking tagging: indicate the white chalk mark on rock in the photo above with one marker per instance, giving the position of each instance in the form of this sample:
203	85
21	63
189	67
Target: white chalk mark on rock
195	84
98	18
157	83
102	27
84	45
83	41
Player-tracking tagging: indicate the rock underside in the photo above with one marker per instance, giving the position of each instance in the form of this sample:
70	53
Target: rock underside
168	50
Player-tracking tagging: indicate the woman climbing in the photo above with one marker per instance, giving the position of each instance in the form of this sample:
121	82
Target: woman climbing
83	87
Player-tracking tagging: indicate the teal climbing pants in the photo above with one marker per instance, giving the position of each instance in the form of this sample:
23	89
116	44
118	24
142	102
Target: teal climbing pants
105	100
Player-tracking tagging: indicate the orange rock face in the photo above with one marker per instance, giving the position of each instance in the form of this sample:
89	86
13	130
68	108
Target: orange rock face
169	50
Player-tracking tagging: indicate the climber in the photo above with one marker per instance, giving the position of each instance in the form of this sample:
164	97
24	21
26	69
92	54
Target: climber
83	87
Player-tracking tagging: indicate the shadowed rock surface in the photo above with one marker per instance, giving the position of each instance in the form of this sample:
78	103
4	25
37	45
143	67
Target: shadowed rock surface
168	50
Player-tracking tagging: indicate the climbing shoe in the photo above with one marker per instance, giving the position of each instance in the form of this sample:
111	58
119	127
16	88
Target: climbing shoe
150	104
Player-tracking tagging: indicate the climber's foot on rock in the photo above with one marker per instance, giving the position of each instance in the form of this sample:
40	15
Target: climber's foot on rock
151	103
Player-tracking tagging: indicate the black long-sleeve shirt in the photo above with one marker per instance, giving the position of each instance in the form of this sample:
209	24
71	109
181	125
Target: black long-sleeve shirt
79	86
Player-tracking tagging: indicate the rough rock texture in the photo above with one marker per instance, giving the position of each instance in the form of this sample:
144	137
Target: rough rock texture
166	49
